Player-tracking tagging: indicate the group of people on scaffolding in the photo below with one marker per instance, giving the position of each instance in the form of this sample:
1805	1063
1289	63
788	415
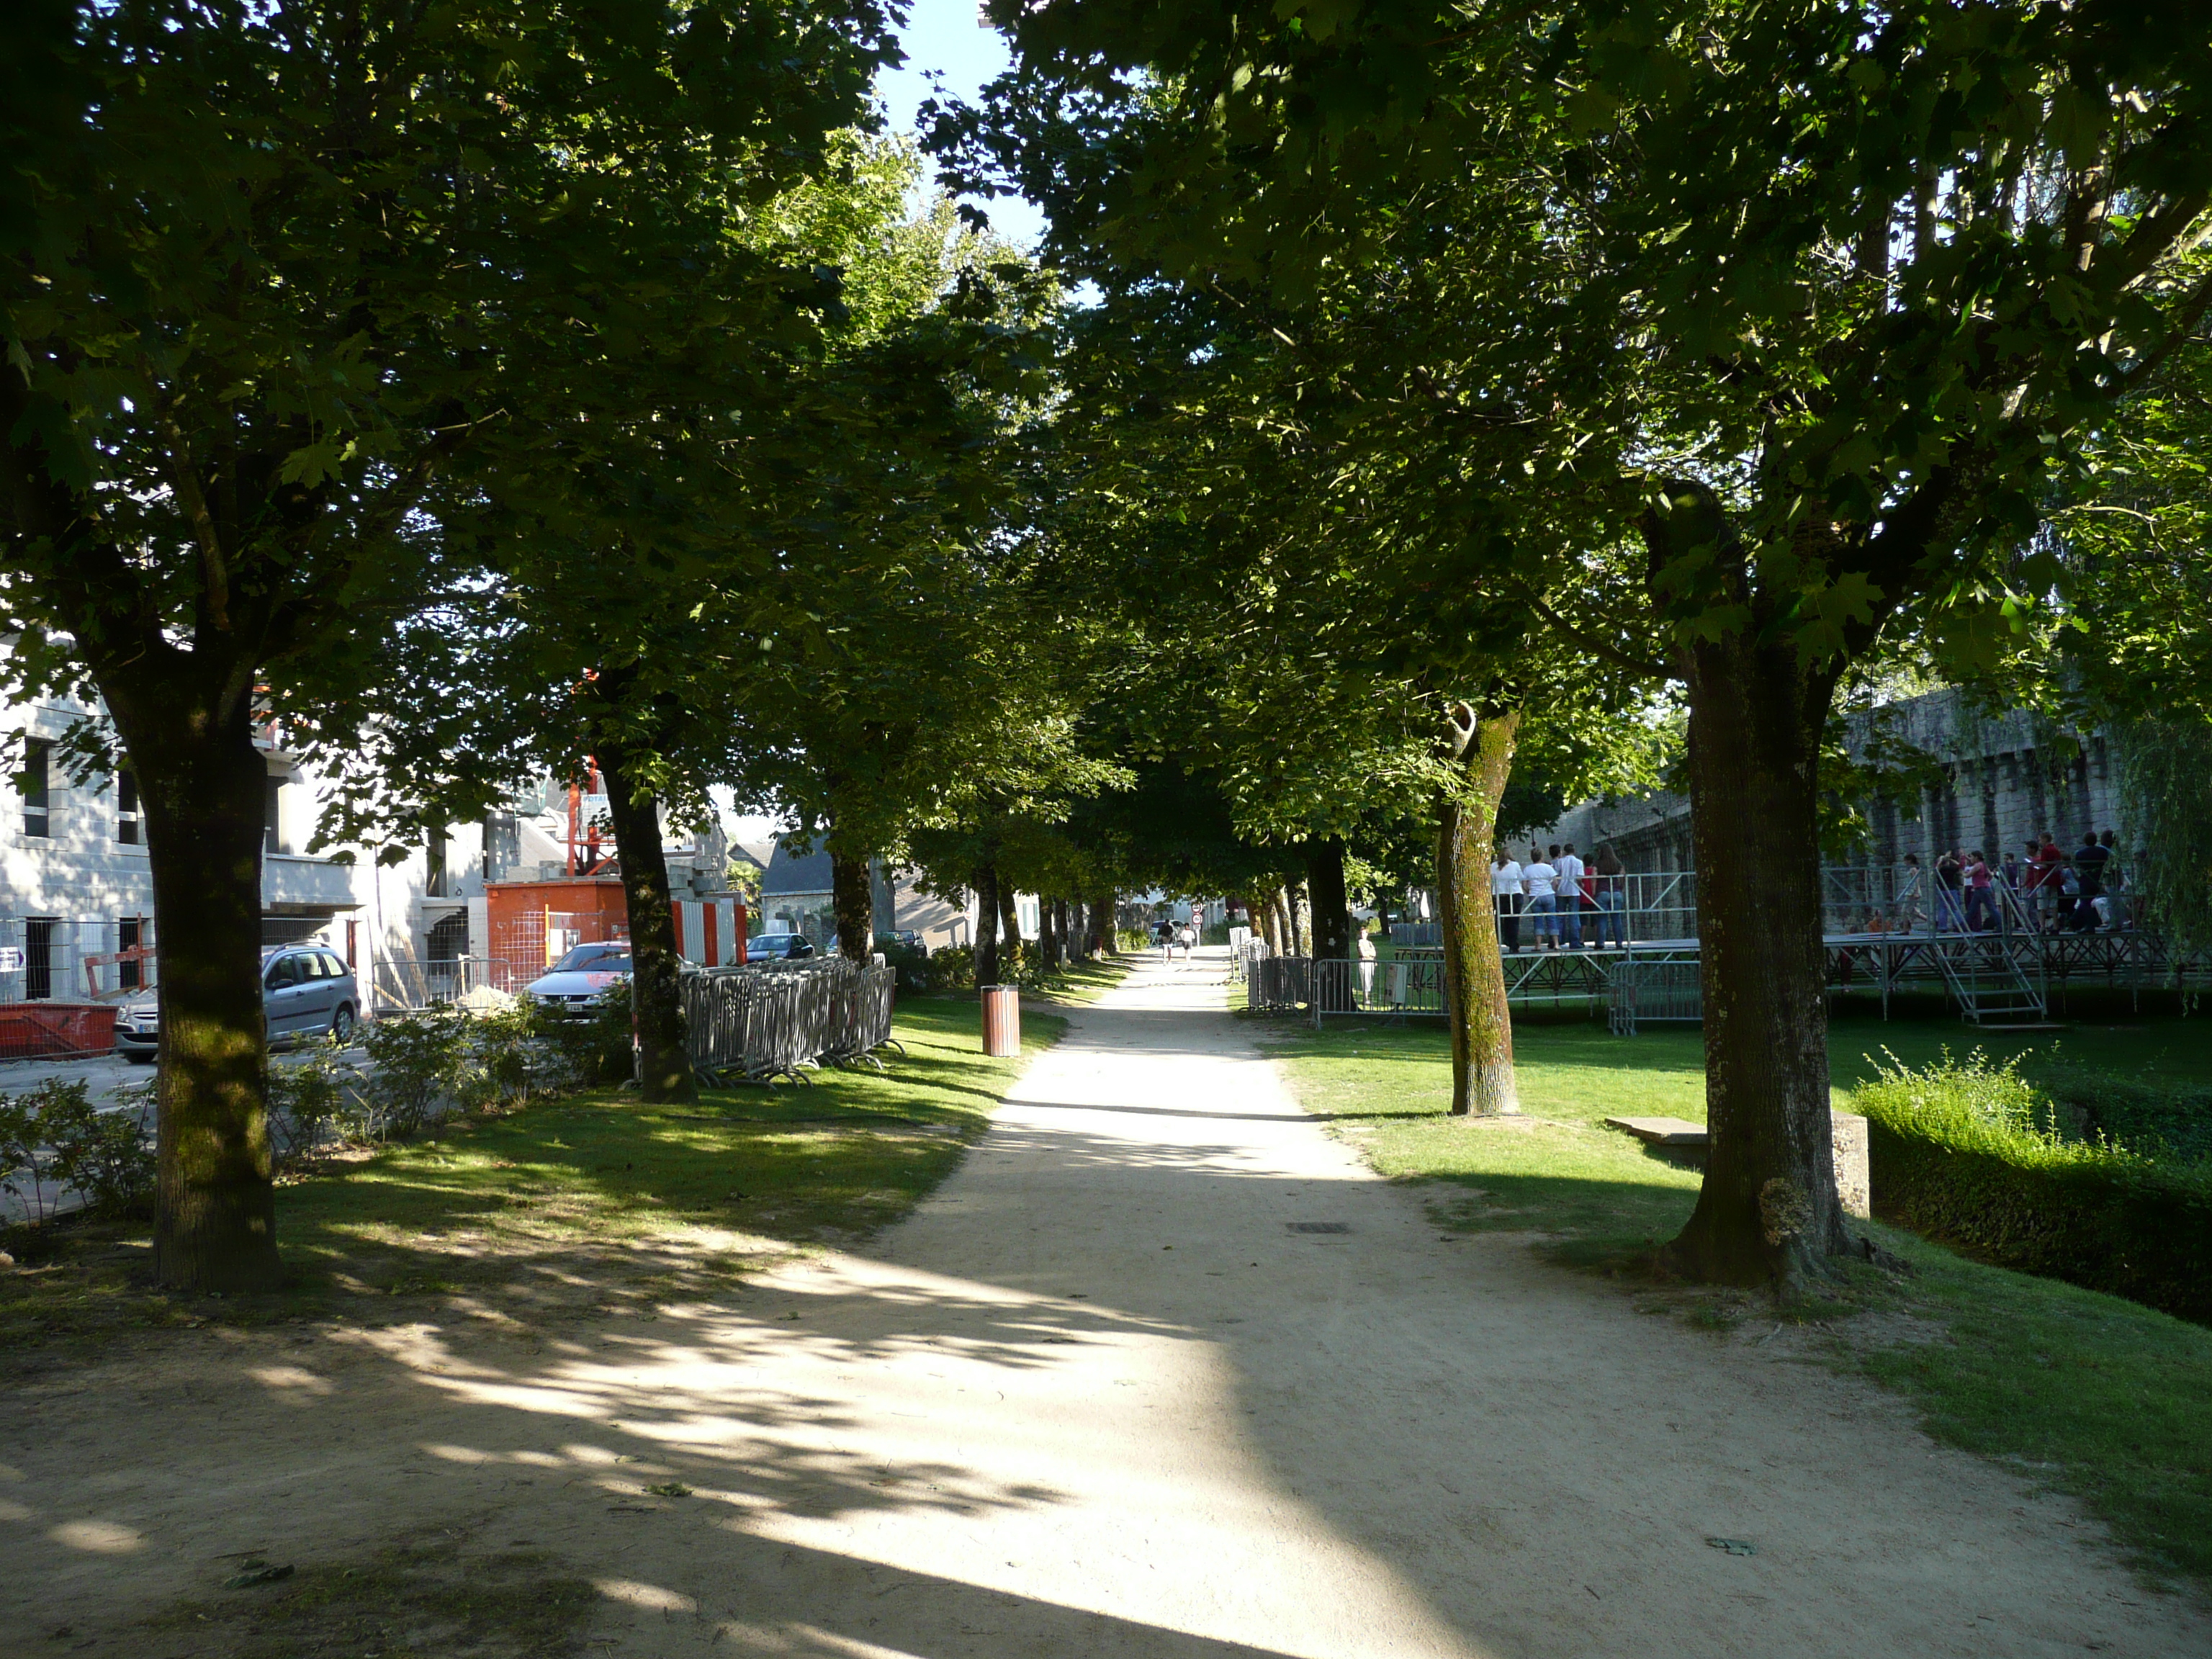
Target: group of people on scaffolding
2049	890
1561	899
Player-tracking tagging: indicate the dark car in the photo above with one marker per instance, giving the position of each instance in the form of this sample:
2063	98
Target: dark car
306	992
778	947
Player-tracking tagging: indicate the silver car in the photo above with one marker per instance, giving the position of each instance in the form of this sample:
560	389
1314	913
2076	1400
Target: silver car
577	983
306	992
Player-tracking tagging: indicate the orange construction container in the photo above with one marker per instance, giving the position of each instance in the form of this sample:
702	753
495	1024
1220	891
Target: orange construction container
55	1031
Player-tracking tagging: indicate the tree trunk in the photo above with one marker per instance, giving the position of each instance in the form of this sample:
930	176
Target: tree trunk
1332	922
1332	910
204	788
1060	922
663	1065
852	896
1105	925
987	925
1010	931
1768	1210
1382	913
1483	1082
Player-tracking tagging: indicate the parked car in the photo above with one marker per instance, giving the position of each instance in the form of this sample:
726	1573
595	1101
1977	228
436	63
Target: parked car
778	947
306	992
579	981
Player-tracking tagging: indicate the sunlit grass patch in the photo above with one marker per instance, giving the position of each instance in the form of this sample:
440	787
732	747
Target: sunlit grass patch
578	1202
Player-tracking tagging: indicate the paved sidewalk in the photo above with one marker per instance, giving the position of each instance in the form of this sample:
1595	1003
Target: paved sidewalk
1107	1395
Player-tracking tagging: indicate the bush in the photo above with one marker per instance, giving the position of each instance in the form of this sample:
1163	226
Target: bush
2170	1122
417	1061
1971	1155
909	963
952	968
307	1101
54	1138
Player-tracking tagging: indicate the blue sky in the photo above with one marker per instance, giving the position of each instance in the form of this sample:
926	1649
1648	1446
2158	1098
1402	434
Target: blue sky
946	37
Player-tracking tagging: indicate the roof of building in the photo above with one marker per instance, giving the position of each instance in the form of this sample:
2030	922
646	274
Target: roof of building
795	872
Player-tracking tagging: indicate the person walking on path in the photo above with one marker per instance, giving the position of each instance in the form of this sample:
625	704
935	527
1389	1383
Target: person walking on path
1611	877
2111	912
1506	896
1981	907
1569	884
1541	881
1950	876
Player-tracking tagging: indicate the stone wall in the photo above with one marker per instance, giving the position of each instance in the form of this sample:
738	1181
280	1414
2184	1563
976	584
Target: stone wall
2006	778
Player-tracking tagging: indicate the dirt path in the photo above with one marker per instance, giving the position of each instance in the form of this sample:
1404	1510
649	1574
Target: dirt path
1098	1397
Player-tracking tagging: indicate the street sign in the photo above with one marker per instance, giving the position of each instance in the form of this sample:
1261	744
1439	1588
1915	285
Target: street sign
11	959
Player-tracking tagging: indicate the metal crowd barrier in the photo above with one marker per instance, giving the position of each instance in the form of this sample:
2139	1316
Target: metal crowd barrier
768	1021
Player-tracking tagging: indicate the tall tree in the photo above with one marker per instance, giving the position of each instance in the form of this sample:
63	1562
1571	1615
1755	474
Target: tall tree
290	273
1804	303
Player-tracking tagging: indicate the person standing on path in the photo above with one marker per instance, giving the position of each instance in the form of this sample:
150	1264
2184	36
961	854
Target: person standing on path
1911	895
2045	876
1505	897
1541	879
1365	951
1611	877
2089	864
1568	884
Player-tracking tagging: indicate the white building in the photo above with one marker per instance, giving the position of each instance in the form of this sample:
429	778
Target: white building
75	886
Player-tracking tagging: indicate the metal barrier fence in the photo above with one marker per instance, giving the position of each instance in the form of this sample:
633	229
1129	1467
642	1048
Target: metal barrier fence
1880	898
779	1020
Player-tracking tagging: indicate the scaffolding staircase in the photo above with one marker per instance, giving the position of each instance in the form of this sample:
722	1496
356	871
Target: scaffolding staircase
1989	986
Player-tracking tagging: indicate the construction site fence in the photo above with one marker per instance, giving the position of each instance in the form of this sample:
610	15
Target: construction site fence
769	1020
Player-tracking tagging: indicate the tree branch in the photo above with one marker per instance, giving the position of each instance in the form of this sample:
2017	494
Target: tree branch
1601	648
182	479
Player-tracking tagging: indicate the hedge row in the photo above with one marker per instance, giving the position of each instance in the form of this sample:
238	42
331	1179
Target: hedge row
1968	1155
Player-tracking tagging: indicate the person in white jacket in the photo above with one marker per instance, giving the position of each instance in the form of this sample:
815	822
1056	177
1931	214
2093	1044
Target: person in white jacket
1505	896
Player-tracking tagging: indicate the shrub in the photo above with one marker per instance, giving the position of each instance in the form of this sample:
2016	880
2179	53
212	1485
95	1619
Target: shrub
308	1100
2169	1121
417	1062
909	963
952	968
54	1138
1972	1155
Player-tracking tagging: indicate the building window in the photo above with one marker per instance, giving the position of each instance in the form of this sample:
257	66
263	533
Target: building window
128	938
434	881
126	809
39	957
32	782
272	815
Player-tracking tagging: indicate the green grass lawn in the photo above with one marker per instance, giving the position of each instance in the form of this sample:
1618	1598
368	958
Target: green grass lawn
592	1202
2088	1393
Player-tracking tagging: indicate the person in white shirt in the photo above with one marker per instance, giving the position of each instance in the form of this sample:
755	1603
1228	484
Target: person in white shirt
1365	951
1569	883
1505	896
1539	879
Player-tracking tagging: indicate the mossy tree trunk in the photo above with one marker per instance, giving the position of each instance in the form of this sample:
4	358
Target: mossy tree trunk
1480	745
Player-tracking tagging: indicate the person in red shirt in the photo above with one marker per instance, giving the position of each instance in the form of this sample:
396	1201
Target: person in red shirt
2043	881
